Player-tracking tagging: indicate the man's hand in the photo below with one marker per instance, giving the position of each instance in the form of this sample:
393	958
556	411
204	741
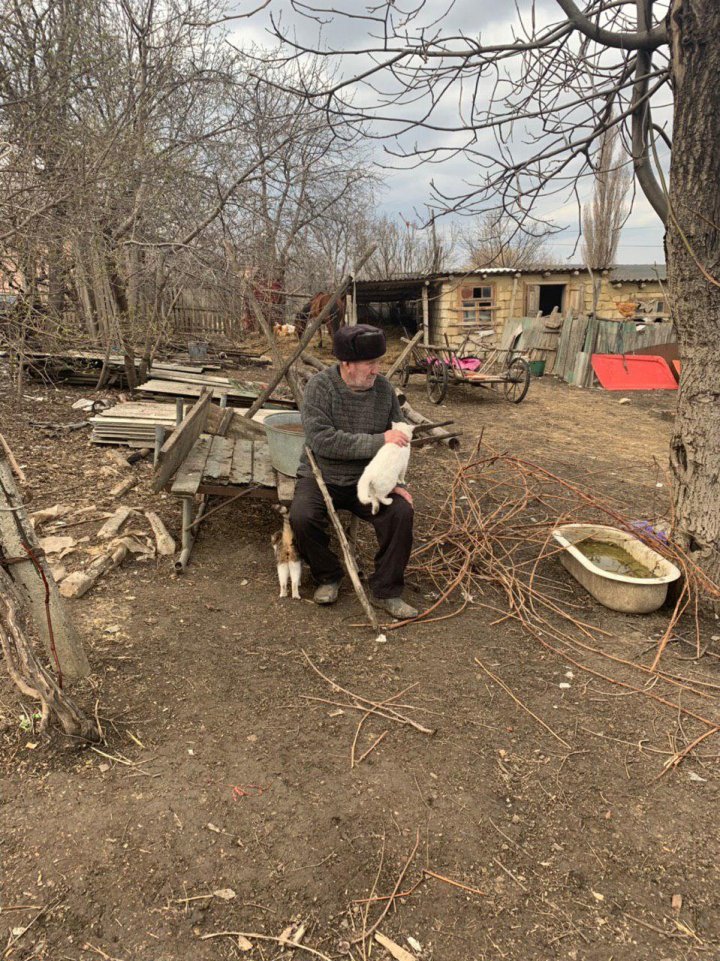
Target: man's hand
396	437
404	493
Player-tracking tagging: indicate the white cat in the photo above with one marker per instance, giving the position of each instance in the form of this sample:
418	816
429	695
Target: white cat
385	471
289	566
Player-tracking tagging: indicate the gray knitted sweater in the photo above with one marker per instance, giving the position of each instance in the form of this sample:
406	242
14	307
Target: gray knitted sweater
344	428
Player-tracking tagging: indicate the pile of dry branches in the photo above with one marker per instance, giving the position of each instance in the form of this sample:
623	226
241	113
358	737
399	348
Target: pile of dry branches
491	545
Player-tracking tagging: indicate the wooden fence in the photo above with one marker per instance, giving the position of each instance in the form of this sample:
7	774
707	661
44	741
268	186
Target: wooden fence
566	344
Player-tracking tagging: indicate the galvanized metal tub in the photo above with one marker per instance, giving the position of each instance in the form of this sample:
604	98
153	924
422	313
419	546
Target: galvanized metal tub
285	442
631	595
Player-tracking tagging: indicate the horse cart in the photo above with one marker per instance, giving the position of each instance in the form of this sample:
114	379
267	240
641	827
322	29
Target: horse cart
474	363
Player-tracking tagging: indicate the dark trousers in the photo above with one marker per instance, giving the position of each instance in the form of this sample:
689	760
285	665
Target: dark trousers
393	528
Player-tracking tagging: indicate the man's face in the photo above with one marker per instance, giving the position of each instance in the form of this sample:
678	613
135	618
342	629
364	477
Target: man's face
360	374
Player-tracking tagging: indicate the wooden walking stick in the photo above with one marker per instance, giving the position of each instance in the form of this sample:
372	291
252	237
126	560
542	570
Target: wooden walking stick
344	546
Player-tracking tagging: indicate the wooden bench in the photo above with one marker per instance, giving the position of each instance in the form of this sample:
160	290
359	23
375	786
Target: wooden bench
233	462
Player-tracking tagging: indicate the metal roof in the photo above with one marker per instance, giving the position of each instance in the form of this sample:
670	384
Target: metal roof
629	273
538	269
404	287
399	284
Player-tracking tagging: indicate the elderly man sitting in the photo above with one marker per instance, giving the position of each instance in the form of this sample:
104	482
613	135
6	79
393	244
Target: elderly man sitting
347	414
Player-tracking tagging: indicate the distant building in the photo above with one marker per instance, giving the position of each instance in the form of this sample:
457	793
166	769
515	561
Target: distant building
455	302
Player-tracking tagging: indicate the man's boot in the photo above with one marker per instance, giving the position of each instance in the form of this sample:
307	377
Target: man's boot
327	593
395	606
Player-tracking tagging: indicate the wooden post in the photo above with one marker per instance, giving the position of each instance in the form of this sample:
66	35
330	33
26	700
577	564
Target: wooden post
272	344
16	530
159	441
189	534
310	331
350	564
352	320
425	314
408	348
511	314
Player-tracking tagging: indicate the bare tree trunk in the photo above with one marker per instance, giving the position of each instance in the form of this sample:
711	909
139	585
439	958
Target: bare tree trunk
693	254
28	673
84	295
16	536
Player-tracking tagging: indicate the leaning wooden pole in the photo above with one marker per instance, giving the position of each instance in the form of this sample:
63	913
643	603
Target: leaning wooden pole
409	344
310	330
19	544
344	546
263	324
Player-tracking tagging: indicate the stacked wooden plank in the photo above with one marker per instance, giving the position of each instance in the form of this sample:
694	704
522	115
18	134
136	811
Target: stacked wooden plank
82	367
238	393
132	424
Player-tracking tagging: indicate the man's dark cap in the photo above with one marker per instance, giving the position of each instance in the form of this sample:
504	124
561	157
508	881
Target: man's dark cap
361	342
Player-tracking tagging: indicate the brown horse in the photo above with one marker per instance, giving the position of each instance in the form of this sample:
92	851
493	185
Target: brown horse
313	308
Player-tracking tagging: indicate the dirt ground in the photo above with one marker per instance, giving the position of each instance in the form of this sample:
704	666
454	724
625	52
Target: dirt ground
236	782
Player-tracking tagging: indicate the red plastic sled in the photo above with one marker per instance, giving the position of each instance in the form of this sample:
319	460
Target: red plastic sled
633	372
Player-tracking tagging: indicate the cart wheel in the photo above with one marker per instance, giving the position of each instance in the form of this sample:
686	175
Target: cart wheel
437	381
518	380
404	375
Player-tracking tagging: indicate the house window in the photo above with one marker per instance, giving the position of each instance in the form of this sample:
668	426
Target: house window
477	306
656	307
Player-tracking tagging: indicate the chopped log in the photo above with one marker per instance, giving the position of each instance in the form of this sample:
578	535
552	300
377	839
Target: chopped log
139	455
16	537
80	582
165	543
28	673
112	525
176	447
117	458
124	486
347	553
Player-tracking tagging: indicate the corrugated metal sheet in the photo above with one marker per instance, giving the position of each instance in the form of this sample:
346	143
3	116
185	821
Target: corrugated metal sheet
637	273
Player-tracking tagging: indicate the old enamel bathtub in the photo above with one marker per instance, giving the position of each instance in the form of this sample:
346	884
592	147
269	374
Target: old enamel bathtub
619	592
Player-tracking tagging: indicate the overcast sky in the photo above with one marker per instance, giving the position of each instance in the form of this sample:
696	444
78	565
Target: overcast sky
407	192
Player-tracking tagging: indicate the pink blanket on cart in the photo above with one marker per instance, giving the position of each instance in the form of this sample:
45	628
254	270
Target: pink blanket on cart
468	363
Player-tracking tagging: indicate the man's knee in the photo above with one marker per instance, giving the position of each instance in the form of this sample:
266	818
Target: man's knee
402	512
306	512
297	516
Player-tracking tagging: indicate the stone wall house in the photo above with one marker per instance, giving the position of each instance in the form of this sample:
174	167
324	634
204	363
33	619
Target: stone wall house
487	299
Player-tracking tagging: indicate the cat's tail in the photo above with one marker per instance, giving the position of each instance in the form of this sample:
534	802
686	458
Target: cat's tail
366	493
363	490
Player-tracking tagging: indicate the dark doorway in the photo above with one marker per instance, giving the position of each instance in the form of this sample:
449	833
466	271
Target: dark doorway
551	296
